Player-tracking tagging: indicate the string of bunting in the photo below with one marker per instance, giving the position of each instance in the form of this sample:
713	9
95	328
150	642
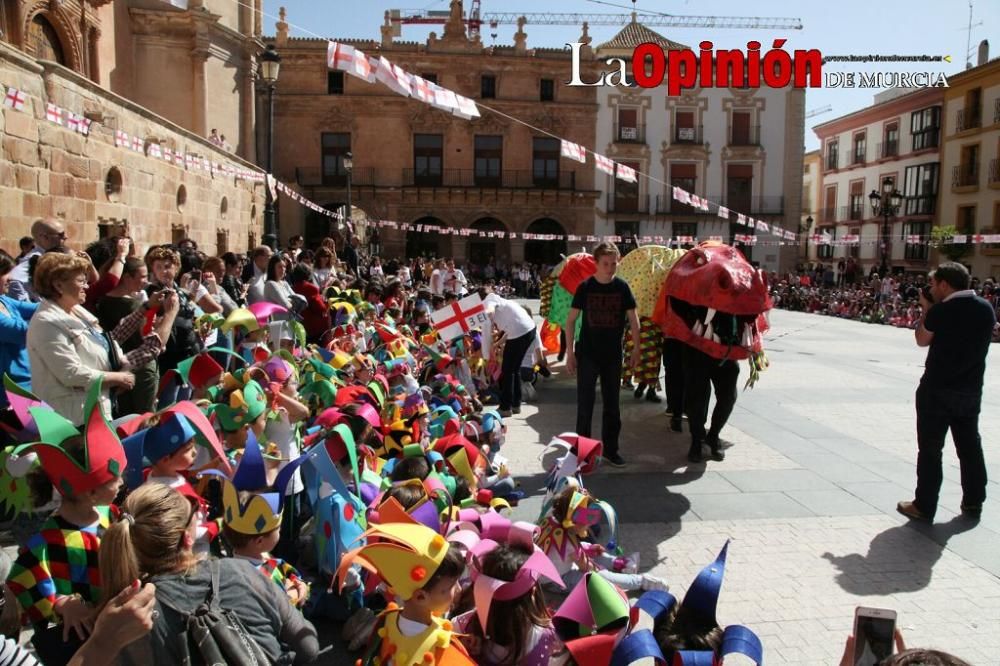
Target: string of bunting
15	100
353	61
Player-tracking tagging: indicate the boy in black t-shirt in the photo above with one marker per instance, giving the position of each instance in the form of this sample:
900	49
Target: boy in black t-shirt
958	327
607	304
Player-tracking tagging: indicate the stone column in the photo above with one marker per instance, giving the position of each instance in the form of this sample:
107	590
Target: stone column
247	148
199	96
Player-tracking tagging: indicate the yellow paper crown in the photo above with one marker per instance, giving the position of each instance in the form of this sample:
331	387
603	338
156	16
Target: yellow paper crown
406	555
258	516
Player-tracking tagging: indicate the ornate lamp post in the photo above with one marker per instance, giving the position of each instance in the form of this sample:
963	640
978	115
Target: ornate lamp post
270	64
886	204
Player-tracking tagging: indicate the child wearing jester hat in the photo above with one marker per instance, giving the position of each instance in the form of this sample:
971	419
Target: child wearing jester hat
56	577
511	623
423	570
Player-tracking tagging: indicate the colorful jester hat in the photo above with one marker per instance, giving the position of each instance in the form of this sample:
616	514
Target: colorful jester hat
579	455
21	401
538	565
171	429
262	513
97	460
464	458
243	407
592	620
404	554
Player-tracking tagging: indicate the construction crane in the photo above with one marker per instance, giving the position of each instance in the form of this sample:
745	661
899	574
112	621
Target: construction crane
475	20
821	110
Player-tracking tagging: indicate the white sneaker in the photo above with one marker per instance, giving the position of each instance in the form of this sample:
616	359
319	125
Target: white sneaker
654	583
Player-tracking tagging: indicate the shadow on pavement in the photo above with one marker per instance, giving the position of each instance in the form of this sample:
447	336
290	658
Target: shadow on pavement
899	559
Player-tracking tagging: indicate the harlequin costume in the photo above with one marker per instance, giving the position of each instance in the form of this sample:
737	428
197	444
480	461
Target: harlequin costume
406	555
62	558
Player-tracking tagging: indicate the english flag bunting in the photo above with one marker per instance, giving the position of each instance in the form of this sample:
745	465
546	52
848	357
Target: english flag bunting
53	113
626	173
573	151
466	108
14	99
605	164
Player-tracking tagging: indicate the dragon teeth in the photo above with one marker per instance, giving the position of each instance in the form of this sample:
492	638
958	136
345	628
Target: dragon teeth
709	316
698	328
716	339
709	333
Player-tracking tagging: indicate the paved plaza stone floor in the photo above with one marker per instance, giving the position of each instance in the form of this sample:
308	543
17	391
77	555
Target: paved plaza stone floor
819	453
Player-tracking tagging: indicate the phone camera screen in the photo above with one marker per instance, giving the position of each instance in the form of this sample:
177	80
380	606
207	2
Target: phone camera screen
873	642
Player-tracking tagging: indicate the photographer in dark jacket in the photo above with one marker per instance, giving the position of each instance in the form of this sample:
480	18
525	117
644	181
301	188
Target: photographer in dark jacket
957	325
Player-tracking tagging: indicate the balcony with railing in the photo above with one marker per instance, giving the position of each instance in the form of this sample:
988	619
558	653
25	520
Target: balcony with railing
832	161
994	172
828	215
921	204
314	177
689	135
968	118
744	135
857	157
626	134
888	149
507	179
965	176
856	212
637	204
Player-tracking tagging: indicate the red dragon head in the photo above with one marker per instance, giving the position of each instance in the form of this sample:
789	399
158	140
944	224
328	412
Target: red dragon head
715	301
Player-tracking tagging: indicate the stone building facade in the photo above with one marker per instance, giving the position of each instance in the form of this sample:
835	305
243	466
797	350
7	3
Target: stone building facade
415	164
106	62
738	147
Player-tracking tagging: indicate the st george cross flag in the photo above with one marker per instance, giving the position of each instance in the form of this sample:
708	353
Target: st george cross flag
605	164
573	151
626	173
137	144
386	73
466	108
763	226
84	125
741	219
53	113
14	99
348	59
422	90
457	319
72	121
723	212
121	138
444	99
682	195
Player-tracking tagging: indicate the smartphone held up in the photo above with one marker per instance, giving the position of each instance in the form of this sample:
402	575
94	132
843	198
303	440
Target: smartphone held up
874	631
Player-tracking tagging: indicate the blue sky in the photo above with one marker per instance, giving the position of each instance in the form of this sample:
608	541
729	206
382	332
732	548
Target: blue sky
845	27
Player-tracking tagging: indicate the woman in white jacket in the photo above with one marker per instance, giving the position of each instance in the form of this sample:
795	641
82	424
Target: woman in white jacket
67	347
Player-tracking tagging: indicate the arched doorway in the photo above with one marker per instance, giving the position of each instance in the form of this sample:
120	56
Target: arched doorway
427	242
485	249
319	226
545	252
43	41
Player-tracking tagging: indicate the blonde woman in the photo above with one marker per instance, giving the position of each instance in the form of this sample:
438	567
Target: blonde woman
153	540
67	348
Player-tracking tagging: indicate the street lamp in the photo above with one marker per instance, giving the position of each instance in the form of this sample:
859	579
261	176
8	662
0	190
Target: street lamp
270	64
887	205
349	168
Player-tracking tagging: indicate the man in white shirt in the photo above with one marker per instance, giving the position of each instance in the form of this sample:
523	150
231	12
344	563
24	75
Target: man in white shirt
455	280
519	331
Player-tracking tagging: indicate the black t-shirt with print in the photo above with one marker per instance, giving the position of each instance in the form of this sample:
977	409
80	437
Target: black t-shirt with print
962	328
603	308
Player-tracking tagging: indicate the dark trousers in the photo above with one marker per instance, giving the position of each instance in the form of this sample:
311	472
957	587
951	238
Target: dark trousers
702	373
673	364
510	369
939	410
609	371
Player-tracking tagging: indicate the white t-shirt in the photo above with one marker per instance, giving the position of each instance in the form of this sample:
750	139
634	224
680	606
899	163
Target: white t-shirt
437	283
404	274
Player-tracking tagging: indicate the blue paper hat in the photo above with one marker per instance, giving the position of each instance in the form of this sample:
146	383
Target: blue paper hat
147	446
703	596
736	639
636	646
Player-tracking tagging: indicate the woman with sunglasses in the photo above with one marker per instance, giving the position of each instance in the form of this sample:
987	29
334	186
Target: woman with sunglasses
153	541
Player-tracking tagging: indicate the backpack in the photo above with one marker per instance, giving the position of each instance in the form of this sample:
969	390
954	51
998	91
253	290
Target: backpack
214	636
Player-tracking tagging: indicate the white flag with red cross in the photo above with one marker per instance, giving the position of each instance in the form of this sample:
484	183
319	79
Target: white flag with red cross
444	99
605	164
455	320
466	108
53	113
422	90
626	173
348	59
15	99
72	121
573	151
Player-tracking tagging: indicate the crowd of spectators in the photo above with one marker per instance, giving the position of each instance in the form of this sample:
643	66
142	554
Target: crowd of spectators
893	300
